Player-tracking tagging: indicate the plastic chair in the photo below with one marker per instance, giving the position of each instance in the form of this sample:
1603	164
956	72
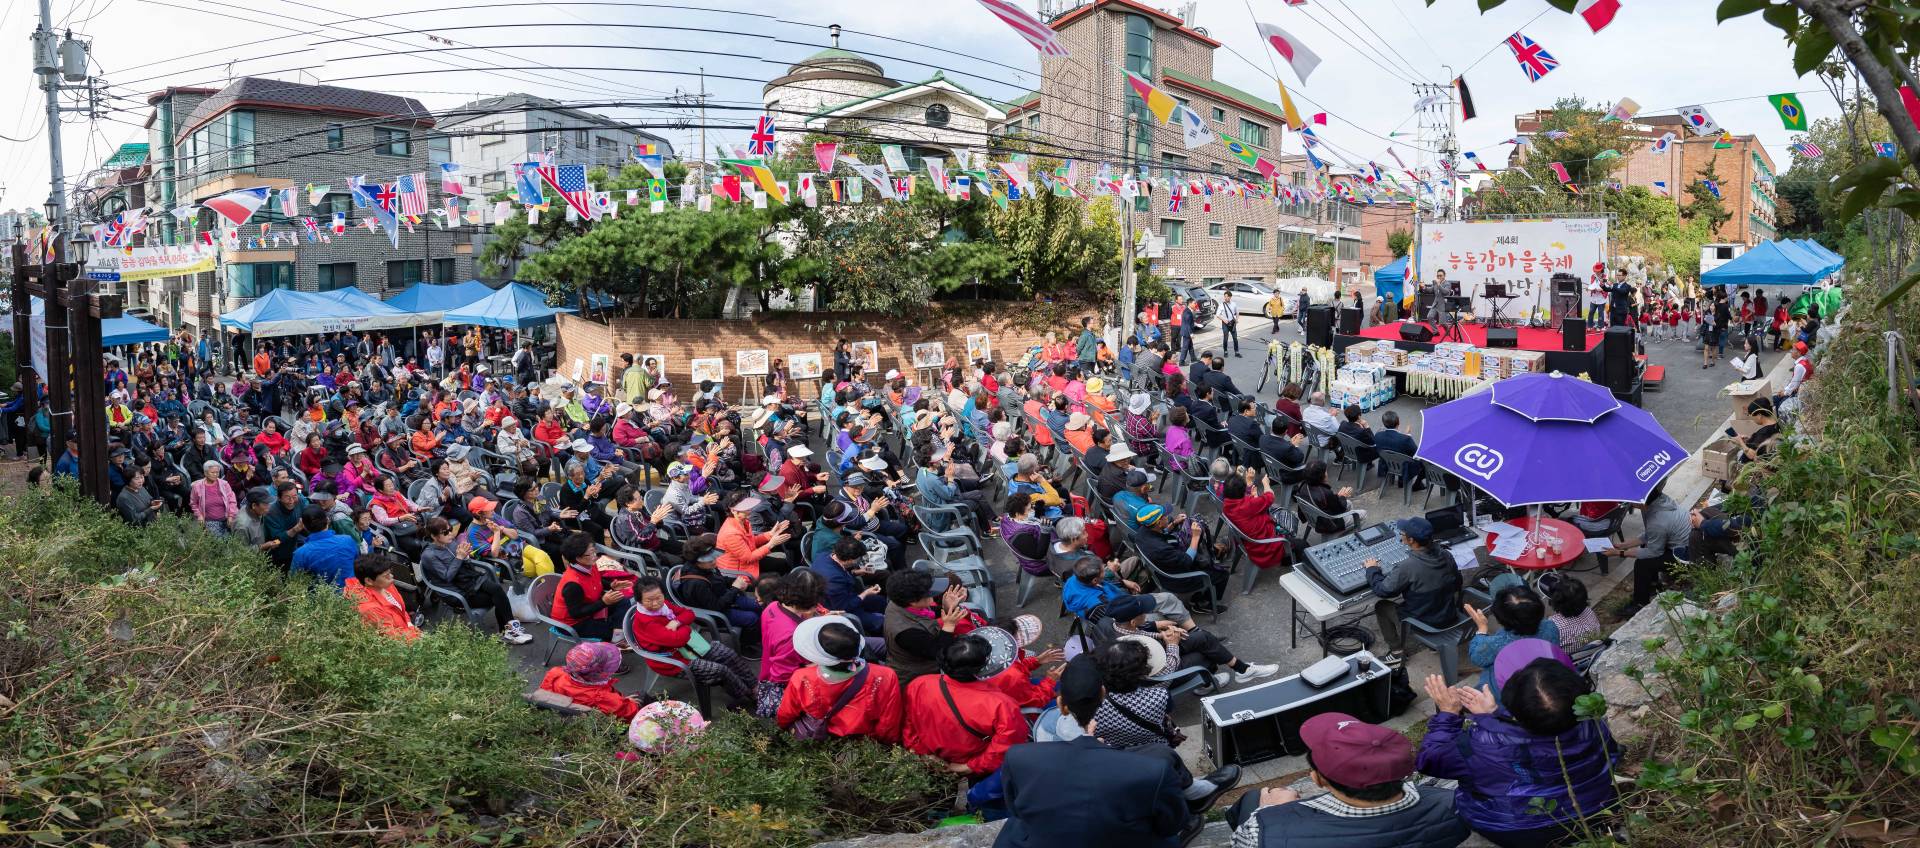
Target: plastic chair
1350	449
1397	468
640	563
717	619
1445	641
1099	632
972	573
1024	580
542	595
944	518
1161	577
1241	541
1278	472
649	677
444	594
1437	481
1315	515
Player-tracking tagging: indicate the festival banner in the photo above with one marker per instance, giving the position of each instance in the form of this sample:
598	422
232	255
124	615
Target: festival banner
1523	256
147	263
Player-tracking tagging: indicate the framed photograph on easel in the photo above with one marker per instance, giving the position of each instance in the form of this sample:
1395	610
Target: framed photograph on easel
866	355
979	348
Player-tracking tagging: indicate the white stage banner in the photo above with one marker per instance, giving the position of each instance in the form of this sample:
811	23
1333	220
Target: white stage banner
1523	256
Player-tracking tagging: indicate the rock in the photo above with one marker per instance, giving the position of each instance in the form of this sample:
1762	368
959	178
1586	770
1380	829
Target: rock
964	836
1626	697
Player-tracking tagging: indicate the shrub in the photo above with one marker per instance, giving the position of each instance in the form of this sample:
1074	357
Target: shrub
163	686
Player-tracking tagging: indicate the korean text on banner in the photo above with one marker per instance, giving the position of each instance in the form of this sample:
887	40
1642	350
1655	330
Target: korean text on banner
1523	256
147	263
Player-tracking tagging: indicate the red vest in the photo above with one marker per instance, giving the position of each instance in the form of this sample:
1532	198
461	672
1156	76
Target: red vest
590	584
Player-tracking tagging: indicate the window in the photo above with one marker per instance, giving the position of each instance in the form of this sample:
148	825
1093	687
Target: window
336	137
1033	122
937	115
1252	177
403	273
491	178
1213	229
1207	281
1174	231
606	151
1252	133
1248	238
1219	115
1139	49
338	201
255	279
439	149
1284	240
490	134
1346	250
240	138
391	142
1216	167
337	275
580	138
443	270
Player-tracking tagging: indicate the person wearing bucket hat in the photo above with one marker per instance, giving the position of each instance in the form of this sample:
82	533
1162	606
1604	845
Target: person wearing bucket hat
959	716
1369	803
1029	678
867	517
839	695
1531	771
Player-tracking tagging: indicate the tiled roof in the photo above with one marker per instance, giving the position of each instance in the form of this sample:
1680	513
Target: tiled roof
293	96
128	156
1272	110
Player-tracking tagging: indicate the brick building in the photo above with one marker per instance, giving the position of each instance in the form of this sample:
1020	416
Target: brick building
260	132
1085	104
1746	173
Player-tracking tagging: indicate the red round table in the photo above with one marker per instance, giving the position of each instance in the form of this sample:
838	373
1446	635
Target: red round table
1573	544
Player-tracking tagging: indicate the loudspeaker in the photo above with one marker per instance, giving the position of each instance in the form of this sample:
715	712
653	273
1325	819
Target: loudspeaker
1320	325
1507	337
1349	320
1573	333
1423	303
1416	332
1616	360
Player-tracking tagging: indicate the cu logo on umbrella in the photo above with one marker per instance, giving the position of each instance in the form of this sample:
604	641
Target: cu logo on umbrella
1478	459
1652	466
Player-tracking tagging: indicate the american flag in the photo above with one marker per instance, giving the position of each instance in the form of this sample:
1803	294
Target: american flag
1808	149
413	194
571	182
761	143
1533	58
1042	37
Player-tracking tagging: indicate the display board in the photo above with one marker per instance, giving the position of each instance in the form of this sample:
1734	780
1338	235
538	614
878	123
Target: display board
1523	256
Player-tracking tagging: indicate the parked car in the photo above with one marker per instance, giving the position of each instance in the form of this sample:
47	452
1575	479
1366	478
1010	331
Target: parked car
1249	296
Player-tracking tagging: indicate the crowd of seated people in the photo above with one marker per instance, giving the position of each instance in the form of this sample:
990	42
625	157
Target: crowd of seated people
764	554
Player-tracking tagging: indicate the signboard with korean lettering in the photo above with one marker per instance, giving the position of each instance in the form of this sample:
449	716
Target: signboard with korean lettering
1521	256
146	263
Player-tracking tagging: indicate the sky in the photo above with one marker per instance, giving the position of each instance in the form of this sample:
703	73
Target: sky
1662	53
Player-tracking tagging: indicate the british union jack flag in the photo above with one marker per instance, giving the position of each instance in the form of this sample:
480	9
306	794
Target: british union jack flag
1533	58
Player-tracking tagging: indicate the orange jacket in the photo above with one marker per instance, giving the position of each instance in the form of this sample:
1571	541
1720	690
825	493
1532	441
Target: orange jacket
601	697
876	712
385	610
741	549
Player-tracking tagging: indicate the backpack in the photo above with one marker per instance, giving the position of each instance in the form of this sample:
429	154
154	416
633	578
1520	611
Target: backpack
815	729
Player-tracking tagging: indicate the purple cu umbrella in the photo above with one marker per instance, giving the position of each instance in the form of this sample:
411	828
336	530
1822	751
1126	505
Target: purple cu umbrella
1620	455
1554	397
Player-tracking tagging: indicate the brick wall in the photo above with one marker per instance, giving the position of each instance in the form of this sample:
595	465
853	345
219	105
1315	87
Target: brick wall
783	335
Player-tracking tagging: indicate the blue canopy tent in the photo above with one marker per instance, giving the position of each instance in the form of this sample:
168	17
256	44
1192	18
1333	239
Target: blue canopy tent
1809	256
1820	250
429	299
284	312
114	332
582	300
1769	264
1389	283
516	307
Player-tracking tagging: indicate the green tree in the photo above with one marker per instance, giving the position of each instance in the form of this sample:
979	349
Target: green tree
1399	242
1531	187
1702	205
1059	244
1307	257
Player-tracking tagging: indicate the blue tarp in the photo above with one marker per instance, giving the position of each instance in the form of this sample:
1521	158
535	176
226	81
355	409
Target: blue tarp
1770	264
428	298
517	306
124	330
283	312
1809	257
1390	281
1821	251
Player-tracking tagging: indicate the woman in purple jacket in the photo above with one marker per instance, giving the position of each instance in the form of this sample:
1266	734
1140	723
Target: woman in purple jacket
1531	773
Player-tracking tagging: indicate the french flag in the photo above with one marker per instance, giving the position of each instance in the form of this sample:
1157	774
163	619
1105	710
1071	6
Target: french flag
238	206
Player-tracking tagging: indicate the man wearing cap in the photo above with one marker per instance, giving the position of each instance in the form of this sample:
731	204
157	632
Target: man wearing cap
1161	543
1425	586
1083	792
1130	500
1369	802
866	517
1112	476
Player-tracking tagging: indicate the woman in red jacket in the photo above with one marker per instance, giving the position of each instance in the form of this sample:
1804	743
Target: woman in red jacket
372	593
314	456
820	691
587	678
1249	513
959	716
663	628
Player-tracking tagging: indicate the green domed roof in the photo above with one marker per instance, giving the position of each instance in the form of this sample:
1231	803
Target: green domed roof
835	54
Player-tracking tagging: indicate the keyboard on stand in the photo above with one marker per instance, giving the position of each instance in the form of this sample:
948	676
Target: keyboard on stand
1337	565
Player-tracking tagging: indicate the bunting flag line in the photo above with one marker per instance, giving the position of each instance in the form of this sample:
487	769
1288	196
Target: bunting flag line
1239	149
1623	110
1886	149
1042	37
1808	149
761	142
182	213
1193	129
1597	13
339	223
1724	141
1660	187
1319	118
1713	188
413	193
289	203
1301	59
1699	121
1286	107
1606	154
316	193
1534	60
1792	115
1475	160
382	202
450	179
1556	134
1560	170
1467	112
1911	103
570	182
526	184
1661	144
649	157
823	155
238	206
1158	102
894	157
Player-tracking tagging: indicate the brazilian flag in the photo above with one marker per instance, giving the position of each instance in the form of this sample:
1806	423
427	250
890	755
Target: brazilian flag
1792	114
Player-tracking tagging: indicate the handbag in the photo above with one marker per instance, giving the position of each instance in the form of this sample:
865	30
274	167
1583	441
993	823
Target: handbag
697	646
1173	735
808	727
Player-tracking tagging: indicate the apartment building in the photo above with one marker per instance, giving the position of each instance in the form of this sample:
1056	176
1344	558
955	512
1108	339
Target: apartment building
261	132
489	136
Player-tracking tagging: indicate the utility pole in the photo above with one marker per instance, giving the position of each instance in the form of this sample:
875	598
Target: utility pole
48	55
703	123
1450	147
1129	291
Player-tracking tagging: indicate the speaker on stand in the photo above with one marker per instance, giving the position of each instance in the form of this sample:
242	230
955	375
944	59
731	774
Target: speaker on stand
1320	325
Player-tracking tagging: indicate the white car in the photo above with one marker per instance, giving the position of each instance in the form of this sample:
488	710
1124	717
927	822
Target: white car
1249	296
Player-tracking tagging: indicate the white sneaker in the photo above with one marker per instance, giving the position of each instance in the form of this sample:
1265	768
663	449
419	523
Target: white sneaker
514	634
1256	671
1221	679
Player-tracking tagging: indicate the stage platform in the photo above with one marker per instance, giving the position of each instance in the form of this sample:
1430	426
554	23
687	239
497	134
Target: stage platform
1531	338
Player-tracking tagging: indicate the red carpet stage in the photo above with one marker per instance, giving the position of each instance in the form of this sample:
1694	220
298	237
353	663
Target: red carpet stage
1531	338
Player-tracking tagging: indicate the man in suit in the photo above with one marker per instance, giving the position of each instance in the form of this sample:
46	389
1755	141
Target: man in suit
1216	377
1203	410
1197	372
1390	438
1355	427
1284	450
1080	792
1244	427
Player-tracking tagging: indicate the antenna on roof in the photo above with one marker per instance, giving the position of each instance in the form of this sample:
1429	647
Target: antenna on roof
833	35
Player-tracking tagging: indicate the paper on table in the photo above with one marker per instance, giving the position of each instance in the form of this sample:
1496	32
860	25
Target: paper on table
1510	546
1598	545
1502	528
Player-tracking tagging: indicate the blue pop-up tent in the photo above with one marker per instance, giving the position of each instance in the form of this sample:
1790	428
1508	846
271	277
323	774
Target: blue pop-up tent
284	312
517	307
114	332
1810	257
431	299
1770	264
1390	281
1820	250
